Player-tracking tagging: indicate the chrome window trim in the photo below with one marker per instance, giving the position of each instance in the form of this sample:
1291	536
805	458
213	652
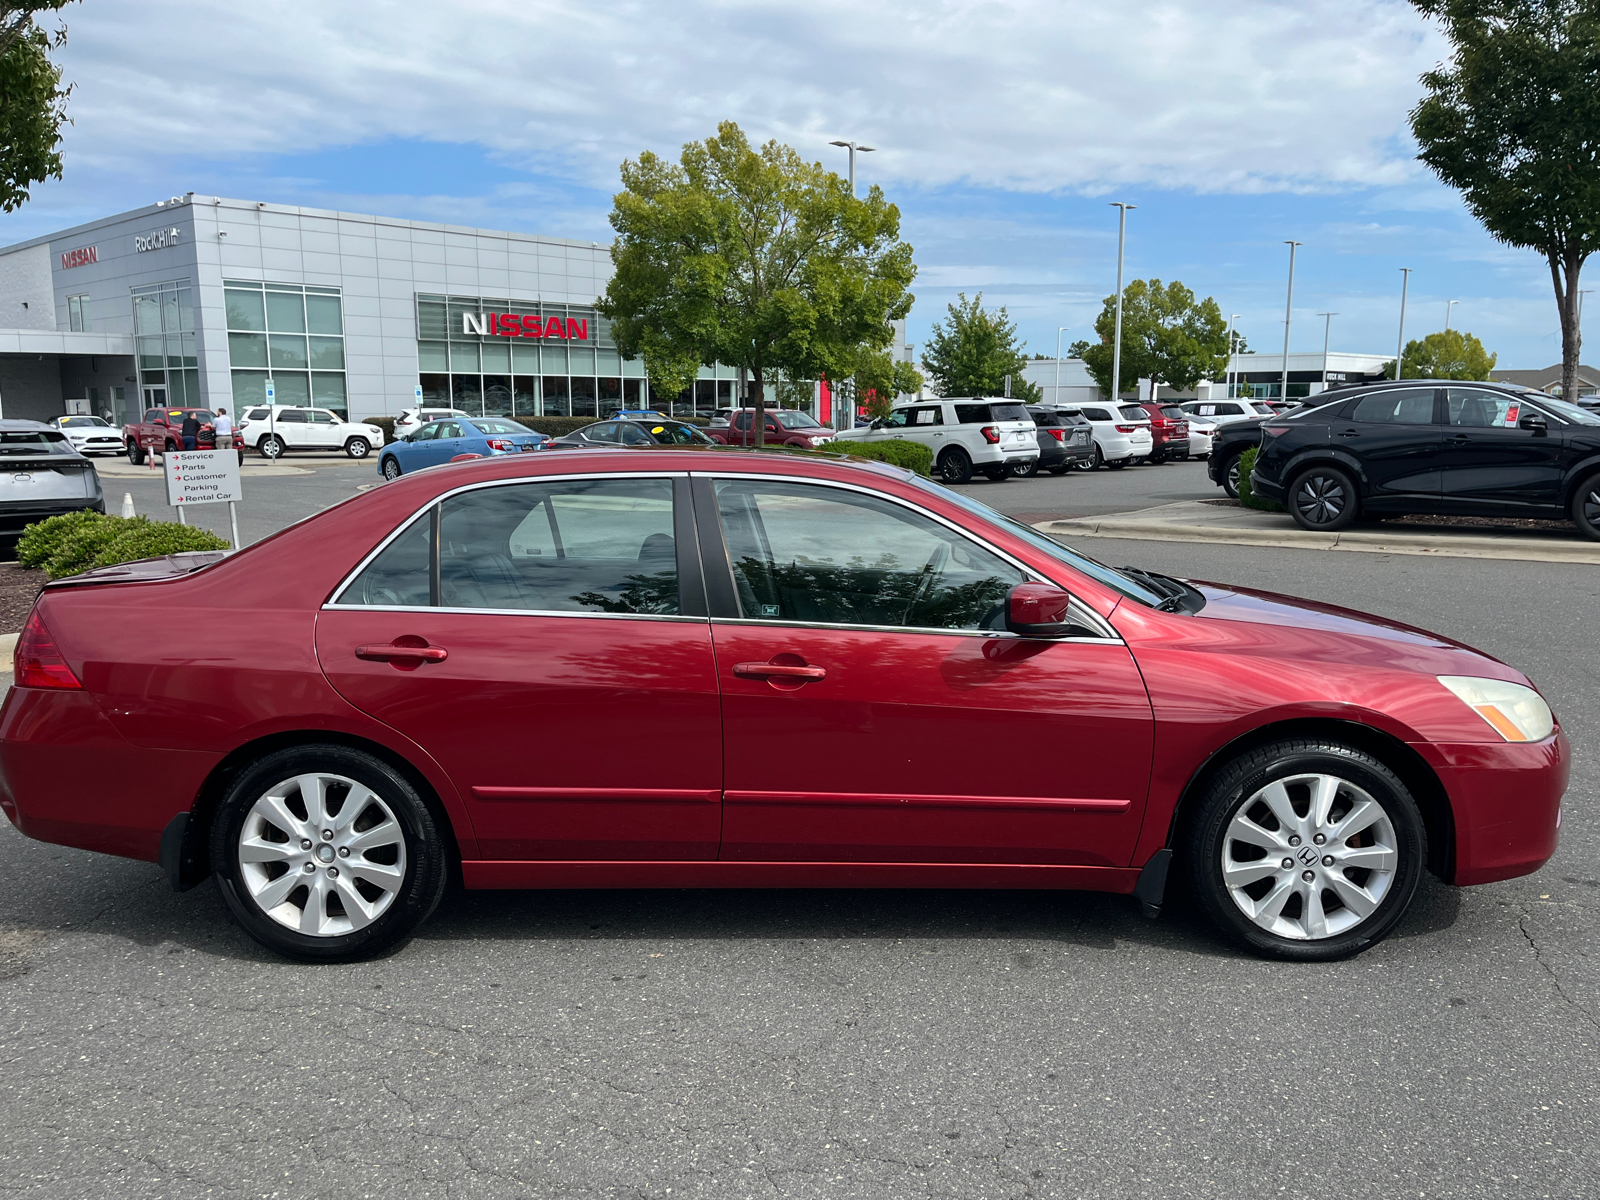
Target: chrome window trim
999	634
473	487
512	612
1091	619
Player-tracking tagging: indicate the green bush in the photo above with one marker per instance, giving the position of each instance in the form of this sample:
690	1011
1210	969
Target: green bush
555	426
384	423
78	542
1247	497
913	456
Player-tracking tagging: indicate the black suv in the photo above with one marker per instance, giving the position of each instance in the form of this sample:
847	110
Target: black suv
1424	446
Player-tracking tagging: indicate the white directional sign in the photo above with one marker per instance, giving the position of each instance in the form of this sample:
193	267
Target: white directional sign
202	476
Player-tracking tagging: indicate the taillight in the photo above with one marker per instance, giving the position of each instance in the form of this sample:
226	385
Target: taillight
37	662
1059	434
501	444
1274	430
991	435
1127	429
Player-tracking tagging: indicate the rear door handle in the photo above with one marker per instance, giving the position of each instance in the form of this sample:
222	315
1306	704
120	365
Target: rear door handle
1350	433
1460	439
761	670
387	653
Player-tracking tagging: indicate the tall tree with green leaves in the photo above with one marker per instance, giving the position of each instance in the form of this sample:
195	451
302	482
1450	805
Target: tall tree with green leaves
32	100
879	378
1167	336
1449	354
1513	122
752	258
972	352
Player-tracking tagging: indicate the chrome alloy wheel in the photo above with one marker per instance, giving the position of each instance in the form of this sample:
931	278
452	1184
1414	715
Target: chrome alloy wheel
1321	499
322	855
1309	857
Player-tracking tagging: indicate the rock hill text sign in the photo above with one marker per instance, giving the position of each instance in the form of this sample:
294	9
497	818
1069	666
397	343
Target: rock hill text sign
517	325
143	243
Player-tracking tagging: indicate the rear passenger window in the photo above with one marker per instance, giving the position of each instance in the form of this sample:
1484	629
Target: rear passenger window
1404	406
973	414
1097	414
578	545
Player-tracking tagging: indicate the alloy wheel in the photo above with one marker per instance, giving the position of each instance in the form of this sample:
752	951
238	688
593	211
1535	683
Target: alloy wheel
1591	502
1309	857
1321	499
1233	477
391	469
322	855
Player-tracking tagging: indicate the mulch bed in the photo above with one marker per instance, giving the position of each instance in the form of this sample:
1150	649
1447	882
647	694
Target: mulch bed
18	589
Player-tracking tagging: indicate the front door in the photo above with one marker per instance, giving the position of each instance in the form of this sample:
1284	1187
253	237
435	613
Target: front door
155	397
1393	435
872	714
545	656
1490	459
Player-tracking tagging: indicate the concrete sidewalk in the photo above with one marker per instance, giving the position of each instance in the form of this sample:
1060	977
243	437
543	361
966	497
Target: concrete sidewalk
1198	521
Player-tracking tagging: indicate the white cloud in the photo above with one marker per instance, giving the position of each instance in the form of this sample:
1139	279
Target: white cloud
1244	95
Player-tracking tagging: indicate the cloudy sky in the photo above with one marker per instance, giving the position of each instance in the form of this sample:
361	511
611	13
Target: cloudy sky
1003	126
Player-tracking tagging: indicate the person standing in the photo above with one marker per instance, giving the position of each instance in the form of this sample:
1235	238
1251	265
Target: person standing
222	426
190	430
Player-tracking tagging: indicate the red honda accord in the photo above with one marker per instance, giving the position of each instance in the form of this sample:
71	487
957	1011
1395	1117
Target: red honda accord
429	678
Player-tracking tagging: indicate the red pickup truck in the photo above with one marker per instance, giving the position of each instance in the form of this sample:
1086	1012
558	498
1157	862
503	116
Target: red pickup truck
162	430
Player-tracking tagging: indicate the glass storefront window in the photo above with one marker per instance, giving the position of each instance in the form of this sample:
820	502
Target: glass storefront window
464	356
435	390
247	350
327	353
557	401
526	400
287	350
496	357
467	394
327	390
497	395
583	398
147	313
525	357
433	356
246	311
323	314
292	387
267	328
249	387
150	353
286	312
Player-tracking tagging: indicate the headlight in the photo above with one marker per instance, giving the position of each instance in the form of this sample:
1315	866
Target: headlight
1516	713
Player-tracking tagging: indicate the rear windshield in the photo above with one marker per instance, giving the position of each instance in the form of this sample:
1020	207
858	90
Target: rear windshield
1133	412
1173	411
1045	419
34	441
488	425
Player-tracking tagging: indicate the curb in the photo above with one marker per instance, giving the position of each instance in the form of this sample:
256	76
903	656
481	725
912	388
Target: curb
1424	545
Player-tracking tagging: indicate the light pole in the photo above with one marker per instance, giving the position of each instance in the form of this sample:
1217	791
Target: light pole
853	147
1400	345
1448	306
1327	330
1228	375
1116	343
1288	312
1060	329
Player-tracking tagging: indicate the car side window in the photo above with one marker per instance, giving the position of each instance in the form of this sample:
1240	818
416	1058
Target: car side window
1403	406
256	414
292	416
1478	408
805	552
632	435
1229	410
927	416
602	433
973	414
427	433
898	419
1097	414
573	545
742	420
448	429
322	417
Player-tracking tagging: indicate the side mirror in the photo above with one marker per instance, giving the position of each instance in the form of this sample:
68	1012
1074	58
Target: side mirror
1539	426
1038	610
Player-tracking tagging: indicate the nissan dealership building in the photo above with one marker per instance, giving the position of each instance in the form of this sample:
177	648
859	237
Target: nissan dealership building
200	300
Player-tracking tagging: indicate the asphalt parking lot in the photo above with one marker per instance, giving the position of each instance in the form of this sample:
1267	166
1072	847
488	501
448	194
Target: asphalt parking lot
840	1044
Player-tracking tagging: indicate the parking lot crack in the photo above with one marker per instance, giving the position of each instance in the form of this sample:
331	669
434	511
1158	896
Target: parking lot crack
1555	980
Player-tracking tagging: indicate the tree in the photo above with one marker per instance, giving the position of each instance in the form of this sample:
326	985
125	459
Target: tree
1513	123
976	351
879	379
752	258
32	100
1167	336
1451	354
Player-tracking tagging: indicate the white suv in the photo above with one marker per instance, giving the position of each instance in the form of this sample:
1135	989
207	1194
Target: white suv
412	419
1121	434
286	427
1225	412
965	434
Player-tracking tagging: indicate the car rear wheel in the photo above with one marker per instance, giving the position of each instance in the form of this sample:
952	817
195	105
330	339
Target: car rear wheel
1230	478
955	466
357	447
270	447
1117	464
1306	850
996	473
1026	469
391	467
136	454
327	854
1323	499
1586	508
1061	470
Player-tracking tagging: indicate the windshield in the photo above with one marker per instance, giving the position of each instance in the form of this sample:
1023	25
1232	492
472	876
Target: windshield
1571	413
80	422
31	441
1081	563
791	418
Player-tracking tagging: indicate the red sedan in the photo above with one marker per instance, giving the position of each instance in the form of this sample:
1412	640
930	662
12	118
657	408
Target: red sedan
429	678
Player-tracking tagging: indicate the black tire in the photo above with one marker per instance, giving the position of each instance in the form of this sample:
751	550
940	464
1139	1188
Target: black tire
241	458
1235	789
954	466
391	467
1155	460
136	454
1094	463
1117	464
1323	499
270	447
357	447
1026	469
422	880
1230	477
996	474
1586	508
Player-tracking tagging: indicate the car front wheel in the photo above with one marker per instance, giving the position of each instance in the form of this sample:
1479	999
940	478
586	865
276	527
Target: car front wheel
270	447
955	466
136	454
327	854
1586	508
391	468
1026	469
1306	850
357	447
1230	478
1093	463
1323	499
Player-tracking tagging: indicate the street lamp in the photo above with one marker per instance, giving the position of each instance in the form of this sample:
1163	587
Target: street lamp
1400	345
853	147
1060	329
1327	330
1288	312
1448	306
1116	343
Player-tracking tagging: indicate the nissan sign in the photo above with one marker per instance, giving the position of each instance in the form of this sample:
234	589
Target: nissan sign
82	256
518	325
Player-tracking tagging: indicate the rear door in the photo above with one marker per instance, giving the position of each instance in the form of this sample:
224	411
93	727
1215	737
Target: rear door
547	644
1392	433
292	428
1489	459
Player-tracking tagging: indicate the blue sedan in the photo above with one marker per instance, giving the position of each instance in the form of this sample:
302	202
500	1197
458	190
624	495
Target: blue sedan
456	437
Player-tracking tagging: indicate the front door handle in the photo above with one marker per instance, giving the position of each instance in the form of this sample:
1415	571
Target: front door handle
767	670
411	654
1460	439
1349	433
